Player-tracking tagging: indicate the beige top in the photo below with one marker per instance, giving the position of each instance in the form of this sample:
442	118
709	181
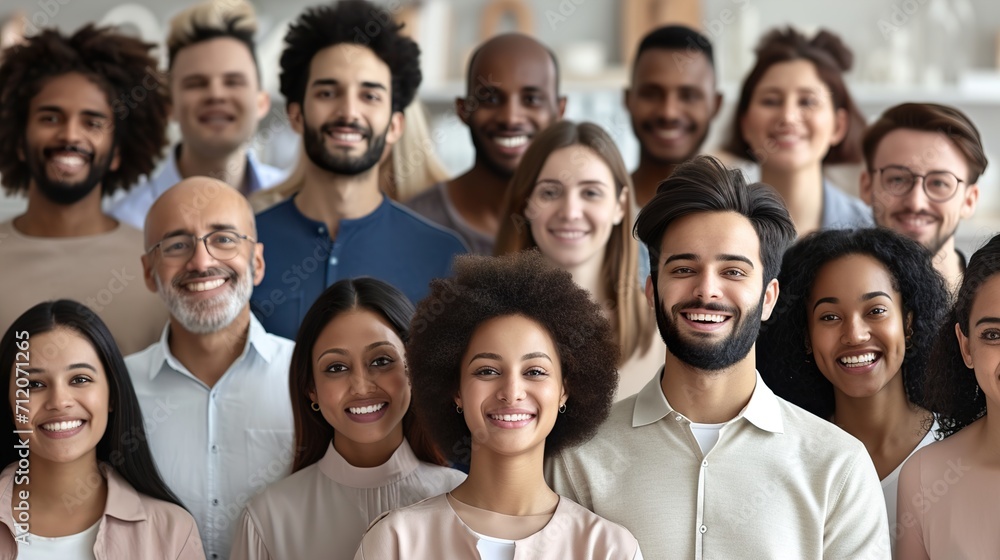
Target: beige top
780	482
322	510
134	525
102	271
431	530
948	501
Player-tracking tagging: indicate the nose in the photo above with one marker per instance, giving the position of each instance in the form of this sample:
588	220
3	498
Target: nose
790	111
216	89
708	287
511	389
361	384
58	397
71	131
671	108
915	199
201	259
512	112
570	206
855	331
347	107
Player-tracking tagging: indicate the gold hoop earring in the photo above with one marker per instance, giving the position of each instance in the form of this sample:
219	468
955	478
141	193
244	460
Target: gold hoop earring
458	409
314	406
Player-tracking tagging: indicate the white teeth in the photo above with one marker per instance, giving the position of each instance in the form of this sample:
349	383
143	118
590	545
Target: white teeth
204	286
512	142
62	426
347	136
569	234
669	134
706	317
366	409
856	361
511	417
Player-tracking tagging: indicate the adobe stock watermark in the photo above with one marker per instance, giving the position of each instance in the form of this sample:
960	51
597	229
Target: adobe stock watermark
899	16
21	507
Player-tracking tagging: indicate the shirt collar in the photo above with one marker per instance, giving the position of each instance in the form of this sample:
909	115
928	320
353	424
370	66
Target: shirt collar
258	340
170	173
381	209
762	411
401	464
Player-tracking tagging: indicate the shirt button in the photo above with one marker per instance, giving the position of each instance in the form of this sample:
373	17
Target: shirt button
215	449
702	529
677	418
333	260
321	230
215	502
214	555
705	463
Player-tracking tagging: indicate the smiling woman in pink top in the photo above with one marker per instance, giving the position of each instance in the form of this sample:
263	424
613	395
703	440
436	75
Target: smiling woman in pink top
510	361
80	481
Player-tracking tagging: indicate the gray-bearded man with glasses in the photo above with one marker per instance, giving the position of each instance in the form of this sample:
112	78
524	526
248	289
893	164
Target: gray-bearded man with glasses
923	162
214	389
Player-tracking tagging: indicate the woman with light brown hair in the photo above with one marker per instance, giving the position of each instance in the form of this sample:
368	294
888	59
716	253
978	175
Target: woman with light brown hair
572	199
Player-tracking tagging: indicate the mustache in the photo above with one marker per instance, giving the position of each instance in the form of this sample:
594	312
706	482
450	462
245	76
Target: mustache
177	281
48	152
660	122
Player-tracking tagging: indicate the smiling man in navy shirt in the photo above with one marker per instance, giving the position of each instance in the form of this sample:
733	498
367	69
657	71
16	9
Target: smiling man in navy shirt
347	74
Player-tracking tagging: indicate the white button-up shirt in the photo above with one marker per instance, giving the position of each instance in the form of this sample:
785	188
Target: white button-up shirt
218	447
780	482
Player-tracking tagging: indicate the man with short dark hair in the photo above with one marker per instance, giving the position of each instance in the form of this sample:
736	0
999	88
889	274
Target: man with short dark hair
70	134
512	94
718	466
346	90
217	101
938	148
671	101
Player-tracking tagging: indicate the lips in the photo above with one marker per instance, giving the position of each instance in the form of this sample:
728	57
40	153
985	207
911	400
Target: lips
345	135
68	160
859	360
204	286
366	411
914	222
511	419
63	426
216	118
61	429
568	234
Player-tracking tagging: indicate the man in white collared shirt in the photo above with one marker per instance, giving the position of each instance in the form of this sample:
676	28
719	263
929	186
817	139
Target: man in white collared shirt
217	101
214	389
706	462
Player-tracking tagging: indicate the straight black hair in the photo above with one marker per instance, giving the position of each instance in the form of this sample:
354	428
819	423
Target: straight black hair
124	445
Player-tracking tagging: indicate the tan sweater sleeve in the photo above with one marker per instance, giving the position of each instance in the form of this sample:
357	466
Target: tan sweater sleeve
247	541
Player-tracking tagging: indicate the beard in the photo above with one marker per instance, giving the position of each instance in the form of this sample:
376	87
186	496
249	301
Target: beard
62	192
704	355
210	315
482	157
343	164
649	126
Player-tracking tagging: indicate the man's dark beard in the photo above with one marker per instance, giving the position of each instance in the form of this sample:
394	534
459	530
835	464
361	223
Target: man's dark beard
650	156
343	164
710	357
61	192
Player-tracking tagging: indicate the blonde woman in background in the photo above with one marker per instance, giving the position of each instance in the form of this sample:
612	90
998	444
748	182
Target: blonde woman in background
415	166
572	199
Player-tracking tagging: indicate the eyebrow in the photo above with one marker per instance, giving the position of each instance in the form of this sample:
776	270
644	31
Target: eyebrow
78	365
343	352
185	231
333	82
988	320
719	258
57	109
497	357
864	297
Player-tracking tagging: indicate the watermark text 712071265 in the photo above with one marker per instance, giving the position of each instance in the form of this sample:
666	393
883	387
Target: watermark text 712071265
22	515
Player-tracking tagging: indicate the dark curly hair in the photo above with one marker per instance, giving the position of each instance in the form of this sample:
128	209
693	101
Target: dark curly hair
350	21
312	432
781	345
952	390
831	58
120	65
518	284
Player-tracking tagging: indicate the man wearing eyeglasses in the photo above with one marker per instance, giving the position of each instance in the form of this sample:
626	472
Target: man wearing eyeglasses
214	389
923	162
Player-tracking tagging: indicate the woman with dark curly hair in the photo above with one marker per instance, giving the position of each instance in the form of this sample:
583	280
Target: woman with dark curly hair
795	115
851	341
79	481
510	362
949	491
359	449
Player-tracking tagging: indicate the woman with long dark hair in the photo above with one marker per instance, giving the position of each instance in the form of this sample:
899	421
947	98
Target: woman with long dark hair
851	340
949	491
359	449
80	478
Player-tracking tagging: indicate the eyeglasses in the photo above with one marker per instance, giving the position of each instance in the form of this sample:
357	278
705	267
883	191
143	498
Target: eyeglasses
939	186
221	245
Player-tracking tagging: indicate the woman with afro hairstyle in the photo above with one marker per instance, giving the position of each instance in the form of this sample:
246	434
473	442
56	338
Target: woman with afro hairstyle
510	362
795	115
949	491
359	449
851	340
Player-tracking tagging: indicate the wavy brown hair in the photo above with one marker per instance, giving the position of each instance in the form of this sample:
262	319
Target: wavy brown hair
120	65
631	317
312	432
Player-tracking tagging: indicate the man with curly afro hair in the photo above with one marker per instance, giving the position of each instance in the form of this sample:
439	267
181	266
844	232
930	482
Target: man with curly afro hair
705	461
347	73
81	117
